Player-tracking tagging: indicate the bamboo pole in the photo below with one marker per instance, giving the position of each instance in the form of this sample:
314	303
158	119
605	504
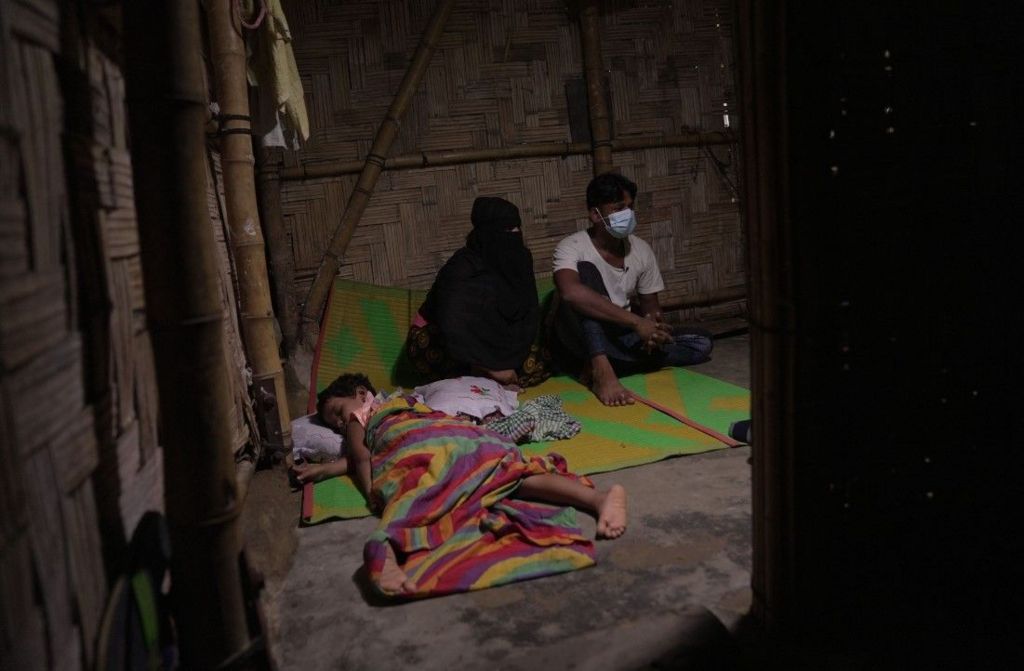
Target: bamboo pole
597	101
371	170
167	114
707	298
428	159
282	265
227	52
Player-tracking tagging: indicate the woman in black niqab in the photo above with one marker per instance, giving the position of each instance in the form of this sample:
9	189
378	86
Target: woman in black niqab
482	309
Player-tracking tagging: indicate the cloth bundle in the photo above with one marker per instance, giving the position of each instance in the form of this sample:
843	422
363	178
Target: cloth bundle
539	419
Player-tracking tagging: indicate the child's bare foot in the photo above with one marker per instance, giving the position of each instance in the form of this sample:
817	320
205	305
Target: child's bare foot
611	513
392	579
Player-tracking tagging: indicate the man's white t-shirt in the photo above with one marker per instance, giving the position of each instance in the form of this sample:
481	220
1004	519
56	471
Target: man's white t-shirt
640	274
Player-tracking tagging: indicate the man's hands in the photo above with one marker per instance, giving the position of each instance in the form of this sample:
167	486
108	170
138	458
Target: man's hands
653	331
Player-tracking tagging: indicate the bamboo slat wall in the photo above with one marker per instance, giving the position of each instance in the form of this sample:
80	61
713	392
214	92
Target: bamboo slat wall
499	79
78	395
118	360
52	582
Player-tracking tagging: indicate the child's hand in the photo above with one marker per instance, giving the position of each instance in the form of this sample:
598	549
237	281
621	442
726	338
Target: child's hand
309	472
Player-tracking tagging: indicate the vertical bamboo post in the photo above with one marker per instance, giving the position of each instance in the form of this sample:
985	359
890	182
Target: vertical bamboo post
167	116
227	53
282	266
597	100
371	170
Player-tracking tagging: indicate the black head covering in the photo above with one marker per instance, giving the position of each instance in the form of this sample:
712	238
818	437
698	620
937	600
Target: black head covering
484	299
504	253
490	213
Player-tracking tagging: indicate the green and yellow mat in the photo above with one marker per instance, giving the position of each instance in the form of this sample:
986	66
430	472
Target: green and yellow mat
365	328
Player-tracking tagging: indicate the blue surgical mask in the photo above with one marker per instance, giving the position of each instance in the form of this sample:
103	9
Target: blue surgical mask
620	224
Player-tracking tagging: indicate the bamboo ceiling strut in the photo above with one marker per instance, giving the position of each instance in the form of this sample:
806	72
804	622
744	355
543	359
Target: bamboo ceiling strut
597	101
227	51
428	159
167	116
360	196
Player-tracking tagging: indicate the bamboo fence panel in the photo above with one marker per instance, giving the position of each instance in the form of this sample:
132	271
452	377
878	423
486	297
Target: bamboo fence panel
118	362
52	579
498	80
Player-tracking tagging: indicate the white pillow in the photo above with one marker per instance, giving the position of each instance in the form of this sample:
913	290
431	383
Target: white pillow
314	441
474	396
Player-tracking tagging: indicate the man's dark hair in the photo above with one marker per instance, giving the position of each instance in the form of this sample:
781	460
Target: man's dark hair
609	188
344	386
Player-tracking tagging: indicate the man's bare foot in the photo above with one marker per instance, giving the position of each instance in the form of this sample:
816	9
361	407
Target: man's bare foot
606	386
392	579
611	513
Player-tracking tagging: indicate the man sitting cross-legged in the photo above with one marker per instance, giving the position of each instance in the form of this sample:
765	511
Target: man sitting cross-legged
609	315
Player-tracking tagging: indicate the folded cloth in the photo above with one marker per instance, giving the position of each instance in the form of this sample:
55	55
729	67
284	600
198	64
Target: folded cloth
537	420
468	395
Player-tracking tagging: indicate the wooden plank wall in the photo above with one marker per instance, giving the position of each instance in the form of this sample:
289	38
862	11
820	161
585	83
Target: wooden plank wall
498	79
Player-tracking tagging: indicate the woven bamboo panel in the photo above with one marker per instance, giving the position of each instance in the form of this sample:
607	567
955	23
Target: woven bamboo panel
499	79
49	549
80	521
69	328
23	645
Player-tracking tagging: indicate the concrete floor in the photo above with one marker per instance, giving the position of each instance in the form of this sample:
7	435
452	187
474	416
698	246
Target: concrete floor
666	595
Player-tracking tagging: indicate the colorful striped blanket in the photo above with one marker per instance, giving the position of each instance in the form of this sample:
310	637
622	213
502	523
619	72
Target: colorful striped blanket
449	513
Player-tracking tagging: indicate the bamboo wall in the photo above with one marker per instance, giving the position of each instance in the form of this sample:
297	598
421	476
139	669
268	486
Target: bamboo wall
498	79
78	393
52	582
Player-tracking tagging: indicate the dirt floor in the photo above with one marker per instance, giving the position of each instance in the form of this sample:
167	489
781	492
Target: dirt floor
669	594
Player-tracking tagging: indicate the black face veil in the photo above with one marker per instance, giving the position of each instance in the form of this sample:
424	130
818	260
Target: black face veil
504	253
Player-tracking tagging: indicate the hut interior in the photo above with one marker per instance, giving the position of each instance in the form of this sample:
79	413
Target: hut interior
826	187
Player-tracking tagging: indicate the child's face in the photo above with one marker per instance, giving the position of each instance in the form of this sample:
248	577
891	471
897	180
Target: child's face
337	409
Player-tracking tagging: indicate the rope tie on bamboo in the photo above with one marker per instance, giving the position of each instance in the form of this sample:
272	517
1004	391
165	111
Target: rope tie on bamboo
224	119
376	159
259	17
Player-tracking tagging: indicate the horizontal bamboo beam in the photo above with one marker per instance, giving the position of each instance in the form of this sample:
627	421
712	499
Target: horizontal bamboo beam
429	159
706	298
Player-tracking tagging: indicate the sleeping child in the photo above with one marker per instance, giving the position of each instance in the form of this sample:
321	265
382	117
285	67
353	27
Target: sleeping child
461	507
